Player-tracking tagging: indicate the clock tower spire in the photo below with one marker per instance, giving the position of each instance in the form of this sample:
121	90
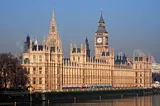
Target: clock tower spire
101	38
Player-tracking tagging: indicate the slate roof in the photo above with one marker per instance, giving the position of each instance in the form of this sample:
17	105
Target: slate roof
101	20
101	29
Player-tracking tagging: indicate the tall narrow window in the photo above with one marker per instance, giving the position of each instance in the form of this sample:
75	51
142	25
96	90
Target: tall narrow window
40	70
46	71
78	59
136	74
40	80
136	81
53	28
135	66
140	80
28	70
140	74
40	59
34	70
146	65
140	66
34	58
34	80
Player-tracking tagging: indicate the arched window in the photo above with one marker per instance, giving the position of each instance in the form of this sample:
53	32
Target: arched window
103	53
135	66
34	58
40	59
140	66
78	59
26	61
73	58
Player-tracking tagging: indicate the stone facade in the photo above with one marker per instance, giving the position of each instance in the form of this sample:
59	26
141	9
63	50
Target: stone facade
49	70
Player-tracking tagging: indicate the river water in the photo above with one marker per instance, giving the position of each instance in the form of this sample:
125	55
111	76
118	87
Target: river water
131	101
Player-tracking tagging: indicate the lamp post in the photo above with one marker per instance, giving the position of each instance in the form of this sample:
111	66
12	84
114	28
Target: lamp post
16	77
5	75
30	92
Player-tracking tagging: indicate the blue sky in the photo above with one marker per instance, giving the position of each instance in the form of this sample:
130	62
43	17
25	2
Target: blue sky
132	24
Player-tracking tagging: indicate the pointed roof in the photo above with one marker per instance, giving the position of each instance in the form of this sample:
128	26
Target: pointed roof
101	25
28	38
101	18
52	14
86	40
101	29
53	26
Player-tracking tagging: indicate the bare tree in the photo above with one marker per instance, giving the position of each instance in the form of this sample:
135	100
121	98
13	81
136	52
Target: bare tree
4	64
11	71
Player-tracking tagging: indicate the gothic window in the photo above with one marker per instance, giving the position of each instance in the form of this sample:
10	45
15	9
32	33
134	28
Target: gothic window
40	58
106	40
147	59
78	50
34	70
100	24
78	59
136	74
46	71
107	53
52	49
34	58
52	41
135	66
140	80
28	70
40	70
74	50
40	80
26	61
140	58
140	66
136	81
46	58
53	28
140	74
73	58
34	80
103	53
136	58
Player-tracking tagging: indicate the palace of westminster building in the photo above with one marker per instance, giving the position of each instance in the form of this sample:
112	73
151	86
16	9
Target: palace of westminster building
49	70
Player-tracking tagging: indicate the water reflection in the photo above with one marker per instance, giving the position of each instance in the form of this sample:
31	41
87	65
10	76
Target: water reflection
132	101
135	101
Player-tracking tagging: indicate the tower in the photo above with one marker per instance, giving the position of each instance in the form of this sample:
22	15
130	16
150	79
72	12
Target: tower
87	48
53	41
27	44
54	55
78	54
101	39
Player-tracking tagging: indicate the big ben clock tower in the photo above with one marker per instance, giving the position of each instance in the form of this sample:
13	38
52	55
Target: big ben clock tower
101	39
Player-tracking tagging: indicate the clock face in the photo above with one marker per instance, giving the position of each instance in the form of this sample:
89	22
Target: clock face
99	40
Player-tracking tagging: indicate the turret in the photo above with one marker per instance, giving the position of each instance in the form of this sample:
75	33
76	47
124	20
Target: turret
27	44
87	48
78	54
101	39
101	25
53	26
